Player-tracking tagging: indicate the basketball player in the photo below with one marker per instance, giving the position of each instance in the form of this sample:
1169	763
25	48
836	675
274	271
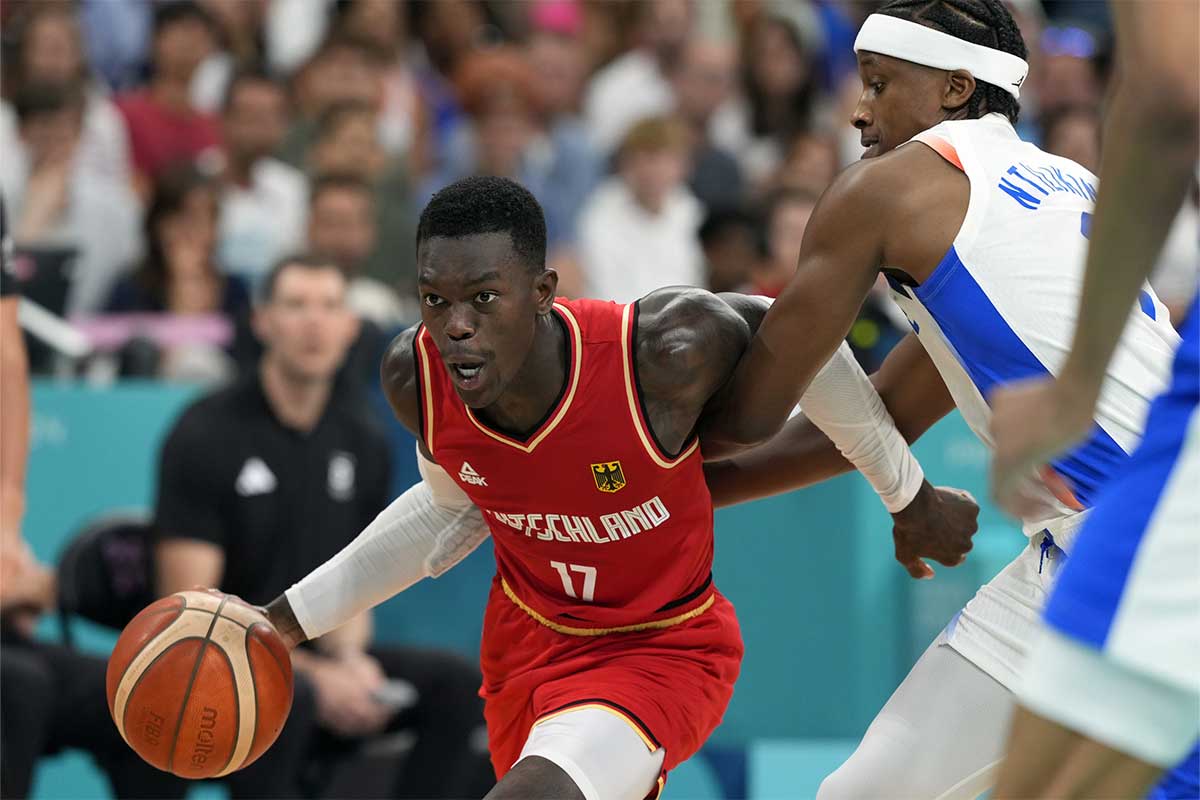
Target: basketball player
567	430
982	239
1121	647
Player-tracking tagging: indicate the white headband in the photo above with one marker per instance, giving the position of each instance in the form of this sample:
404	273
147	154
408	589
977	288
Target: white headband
910	41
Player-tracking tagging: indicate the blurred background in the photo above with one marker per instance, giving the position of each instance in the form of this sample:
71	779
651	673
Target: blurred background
157	158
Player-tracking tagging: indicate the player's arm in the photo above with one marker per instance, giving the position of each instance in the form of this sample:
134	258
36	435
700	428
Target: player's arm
913	397
855	430
1150	151
422	533
839	259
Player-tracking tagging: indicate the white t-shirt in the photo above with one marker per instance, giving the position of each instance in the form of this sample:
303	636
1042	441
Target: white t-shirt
624	92
263	222
627	252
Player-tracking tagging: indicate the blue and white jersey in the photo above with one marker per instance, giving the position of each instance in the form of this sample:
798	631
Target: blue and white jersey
1001	305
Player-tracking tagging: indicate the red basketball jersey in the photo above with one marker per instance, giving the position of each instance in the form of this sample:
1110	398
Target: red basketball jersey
596	529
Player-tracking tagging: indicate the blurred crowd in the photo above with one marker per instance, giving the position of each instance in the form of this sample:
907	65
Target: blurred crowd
160	157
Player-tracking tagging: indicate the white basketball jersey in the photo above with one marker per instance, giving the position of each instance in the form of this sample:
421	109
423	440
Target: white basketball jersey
1001	305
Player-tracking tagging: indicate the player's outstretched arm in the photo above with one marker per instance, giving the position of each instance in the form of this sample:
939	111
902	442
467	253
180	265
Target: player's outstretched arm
423	533
857	431
1151	145
839	259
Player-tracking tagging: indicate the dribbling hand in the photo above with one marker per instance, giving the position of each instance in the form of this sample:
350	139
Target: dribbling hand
938	524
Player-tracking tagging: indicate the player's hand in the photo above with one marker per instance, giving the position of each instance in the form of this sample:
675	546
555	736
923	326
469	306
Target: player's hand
1033	421
938	524
345	701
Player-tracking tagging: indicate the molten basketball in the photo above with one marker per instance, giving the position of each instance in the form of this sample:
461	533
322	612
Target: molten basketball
199	684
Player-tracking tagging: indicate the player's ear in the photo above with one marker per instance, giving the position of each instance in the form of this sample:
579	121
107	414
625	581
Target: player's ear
545	286
959	87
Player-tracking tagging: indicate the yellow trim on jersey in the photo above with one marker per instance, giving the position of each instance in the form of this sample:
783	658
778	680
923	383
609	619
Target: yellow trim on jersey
426	389
640	626
631	395
577	361
616	712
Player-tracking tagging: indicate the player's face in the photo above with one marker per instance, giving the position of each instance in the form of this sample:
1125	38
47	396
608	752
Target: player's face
899	100
481	304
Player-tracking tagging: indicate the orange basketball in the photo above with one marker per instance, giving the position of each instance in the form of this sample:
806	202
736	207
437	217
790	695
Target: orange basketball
199	684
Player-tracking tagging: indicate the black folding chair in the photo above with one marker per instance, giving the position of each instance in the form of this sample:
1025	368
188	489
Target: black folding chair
106	572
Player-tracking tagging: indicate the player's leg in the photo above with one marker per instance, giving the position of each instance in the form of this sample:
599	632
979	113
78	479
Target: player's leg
588	753
940	735
1059	762
1107	731
1119	657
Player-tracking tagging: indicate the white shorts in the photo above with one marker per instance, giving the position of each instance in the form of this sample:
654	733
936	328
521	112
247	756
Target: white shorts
1109	702
605	757
996	627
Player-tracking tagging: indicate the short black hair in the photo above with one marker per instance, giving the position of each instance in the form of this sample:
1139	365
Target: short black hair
985	22
309	261
720	220
487	204
338	181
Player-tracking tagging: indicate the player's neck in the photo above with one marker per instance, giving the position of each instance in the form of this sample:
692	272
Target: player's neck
297	403
537	386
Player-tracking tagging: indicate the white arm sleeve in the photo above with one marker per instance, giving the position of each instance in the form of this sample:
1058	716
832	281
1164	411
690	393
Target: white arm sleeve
842	402
423	533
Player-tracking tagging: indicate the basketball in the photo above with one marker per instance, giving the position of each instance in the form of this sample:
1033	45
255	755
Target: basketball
199	684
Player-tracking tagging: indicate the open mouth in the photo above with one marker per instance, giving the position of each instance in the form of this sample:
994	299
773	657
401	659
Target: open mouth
466	373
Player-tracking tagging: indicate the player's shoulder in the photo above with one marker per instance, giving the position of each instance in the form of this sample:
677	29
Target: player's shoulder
398	376
399	365
682	329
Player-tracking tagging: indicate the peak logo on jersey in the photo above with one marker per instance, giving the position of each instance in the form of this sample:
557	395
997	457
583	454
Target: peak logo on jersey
468	475
609	476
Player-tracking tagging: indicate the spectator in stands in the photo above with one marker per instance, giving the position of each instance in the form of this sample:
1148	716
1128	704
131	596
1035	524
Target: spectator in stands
46	48
638	229
348	144
702	80
781	90
381	26
1069	69
786	218
51	698
62	202
343	228
180	274
503	135
262	482
164	128
264	201
342	71
239	26
635	85
1074	132
810	164
730	242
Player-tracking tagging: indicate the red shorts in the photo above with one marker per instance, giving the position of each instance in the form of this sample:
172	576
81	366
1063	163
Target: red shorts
672	684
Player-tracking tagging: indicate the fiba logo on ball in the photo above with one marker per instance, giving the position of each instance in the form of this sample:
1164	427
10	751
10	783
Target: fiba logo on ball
199	684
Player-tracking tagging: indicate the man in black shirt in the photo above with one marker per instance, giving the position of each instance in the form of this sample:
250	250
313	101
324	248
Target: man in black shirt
262	482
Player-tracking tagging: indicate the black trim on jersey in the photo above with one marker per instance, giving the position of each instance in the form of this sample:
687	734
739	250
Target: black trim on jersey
568	363
601	701
637	385
419	363
689	597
